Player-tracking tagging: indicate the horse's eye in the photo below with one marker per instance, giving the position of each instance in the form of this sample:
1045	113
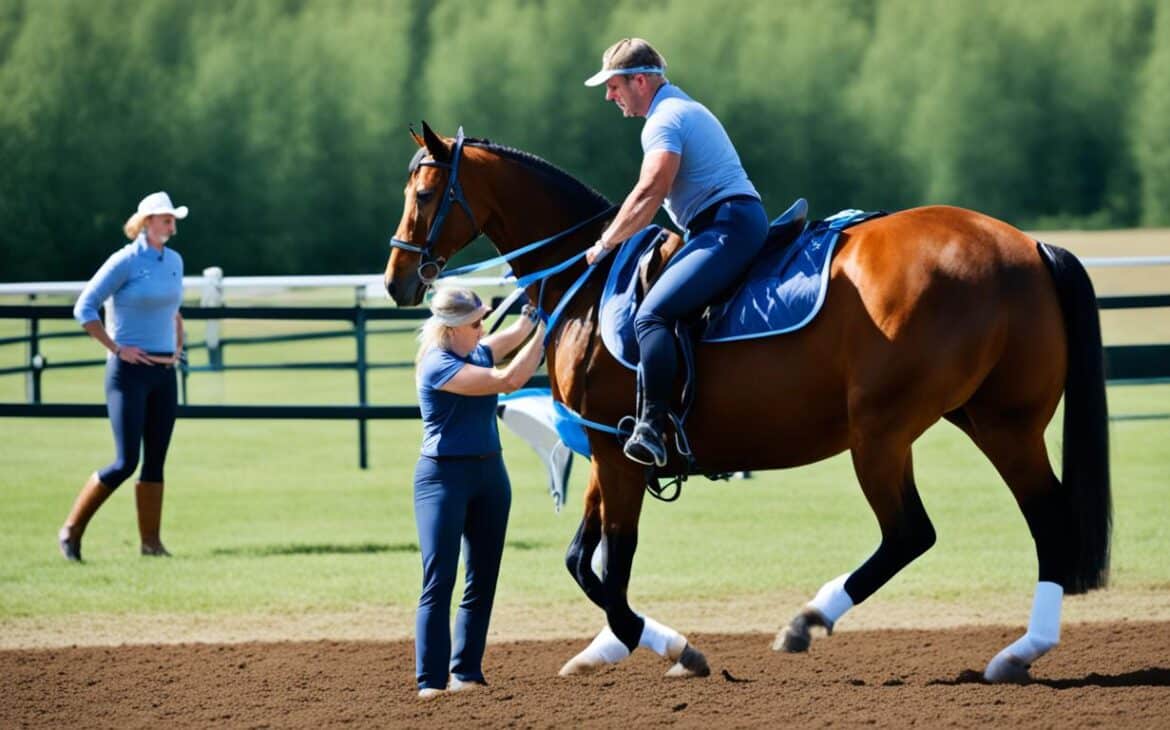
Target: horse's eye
424	196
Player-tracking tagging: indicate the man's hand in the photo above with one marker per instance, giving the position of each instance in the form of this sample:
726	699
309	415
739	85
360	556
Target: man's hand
596	252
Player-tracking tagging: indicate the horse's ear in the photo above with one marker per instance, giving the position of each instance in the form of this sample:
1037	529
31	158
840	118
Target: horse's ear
435	144
414	135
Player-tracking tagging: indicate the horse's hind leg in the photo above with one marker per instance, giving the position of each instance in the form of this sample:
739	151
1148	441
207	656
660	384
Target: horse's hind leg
885	469
1019	454
613	503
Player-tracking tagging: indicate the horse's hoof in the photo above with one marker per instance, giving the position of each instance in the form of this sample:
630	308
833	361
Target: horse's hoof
579	665
796	637
1007	669
691	663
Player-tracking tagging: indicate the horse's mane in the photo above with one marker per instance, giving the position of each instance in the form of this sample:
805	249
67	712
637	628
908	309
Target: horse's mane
562	180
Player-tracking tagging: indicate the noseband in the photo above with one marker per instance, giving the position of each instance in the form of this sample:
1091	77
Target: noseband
430	267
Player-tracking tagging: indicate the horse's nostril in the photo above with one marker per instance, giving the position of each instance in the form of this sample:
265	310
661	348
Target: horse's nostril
390	288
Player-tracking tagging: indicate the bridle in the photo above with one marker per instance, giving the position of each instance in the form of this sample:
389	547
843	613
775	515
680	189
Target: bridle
430	267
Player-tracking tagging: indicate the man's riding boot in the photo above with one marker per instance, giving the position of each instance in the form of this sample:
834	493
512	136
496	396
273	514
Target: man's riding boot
647	444
149	496
91	497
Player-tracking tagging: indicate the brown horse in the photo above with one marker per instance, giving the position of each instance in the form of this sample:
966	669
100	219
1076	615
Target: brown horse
935	312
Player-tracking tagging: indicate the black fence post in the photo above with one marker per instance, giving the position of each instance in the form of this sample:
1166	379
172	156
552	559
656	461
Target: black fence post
183	372
359	326
36	362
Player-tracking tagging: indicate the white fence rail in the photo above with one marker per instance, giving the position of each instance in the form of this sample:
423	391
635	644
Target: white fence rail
370	285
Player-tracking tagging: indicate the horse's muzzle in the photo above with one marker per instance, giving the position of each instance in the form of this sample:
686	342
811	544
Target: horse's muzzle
406	291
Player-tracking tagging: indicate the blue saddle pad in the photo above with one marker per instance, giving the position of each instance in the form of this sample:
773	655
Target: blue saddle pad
785	288
782	292
620	297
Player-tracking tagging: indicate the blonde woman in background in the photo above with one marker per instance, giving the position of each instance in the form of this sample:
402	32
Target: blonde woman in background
142	286
461	490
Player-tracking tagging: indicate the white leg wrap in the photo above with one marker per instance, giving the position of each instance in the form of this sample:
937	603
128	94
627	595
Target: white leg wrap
832	600
1043	627
1042	635
606	648
662	640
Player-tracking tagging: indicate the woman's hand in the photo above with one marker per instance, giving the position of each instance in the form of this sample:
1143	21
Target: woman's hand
135	355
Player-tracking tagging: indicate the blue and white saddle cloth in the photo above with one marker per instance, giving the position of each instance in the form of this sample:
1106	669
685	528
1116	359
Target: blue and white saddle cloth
782	292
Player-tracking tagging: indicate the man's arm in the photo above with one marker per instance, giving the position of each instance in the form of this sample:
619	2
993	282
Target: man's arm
659	168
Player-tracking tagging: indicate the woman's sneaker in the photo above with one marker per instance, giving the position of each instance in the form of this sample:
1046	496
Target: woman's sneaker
70	548
460	685
430	693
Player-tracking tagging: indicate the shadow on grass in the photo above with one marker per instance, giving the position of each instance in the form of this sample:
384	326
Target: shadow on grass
361	548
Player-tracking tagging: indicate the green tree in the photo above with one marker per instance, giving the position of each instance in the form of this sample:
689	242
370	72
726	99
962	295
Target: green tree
1152	128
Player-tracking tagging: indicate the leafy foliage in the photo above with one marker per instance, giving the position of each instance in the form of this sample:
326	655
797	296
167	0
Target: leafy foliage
283	123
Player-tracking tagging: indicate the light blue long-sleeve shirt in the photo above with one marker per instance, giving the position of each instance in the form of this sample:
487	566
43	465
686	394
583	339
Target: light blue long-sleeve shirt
144	288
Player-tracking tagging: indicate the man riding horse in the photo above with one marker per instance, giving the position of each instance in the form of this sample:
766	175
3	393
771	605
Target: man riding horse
690	167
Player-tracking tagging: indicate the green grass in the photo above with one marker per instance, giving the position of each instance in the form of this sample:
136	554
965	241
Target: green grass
275	516
272	516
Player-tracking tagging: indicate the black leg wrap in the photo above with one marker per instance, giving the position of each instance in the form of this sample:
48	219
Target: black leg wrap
627	626
579	559
910	537
1048	520
619	554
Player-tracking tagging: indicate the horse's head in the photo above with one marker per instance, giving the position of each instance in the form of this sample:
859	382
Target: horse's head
431	230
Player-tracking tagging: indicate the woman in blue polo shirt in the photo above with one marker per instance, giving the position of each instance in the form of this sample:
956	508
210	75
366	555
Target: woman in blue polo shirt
142	287
461	490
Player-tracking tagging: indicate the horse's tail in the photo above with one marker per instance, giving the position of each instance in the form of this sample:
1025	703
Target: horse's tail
1085	459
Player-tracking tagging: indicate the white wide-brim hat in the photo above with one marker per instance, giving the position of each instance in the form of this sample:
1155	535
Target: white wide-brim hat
160	204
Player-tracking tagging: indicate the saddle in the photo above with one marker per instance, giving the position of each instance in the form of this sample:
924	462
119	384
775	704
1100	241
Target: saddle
781	292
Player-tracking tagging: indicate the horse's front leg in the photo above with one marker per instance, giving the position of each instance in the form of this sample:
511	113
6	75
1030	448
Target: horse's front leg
613	503
580	557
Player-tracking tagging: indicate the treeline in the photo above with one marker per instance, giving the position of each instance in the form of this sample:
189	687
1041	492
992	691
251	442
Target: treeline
282	123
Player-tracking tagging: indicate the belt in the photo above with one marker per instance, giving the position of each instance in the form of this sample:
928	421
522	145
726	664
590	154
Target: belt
168	366
462	457
705	217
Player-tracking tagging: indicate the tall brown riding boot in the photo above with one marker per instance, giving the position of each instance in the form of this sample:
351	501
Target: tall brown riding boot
149	496
92	495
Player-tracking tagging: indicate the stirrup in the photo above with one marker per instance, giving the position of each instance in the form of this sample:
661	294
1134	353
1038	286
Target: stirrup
646	446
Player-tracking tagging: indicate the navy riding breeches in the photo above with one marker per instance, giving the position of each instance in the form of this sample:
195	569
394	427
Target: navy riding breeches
457	501
142	401
715	255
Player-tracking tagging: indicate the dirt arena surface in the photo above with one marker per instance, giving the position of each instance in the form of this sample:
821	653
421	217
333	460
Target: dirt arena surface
1107	674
